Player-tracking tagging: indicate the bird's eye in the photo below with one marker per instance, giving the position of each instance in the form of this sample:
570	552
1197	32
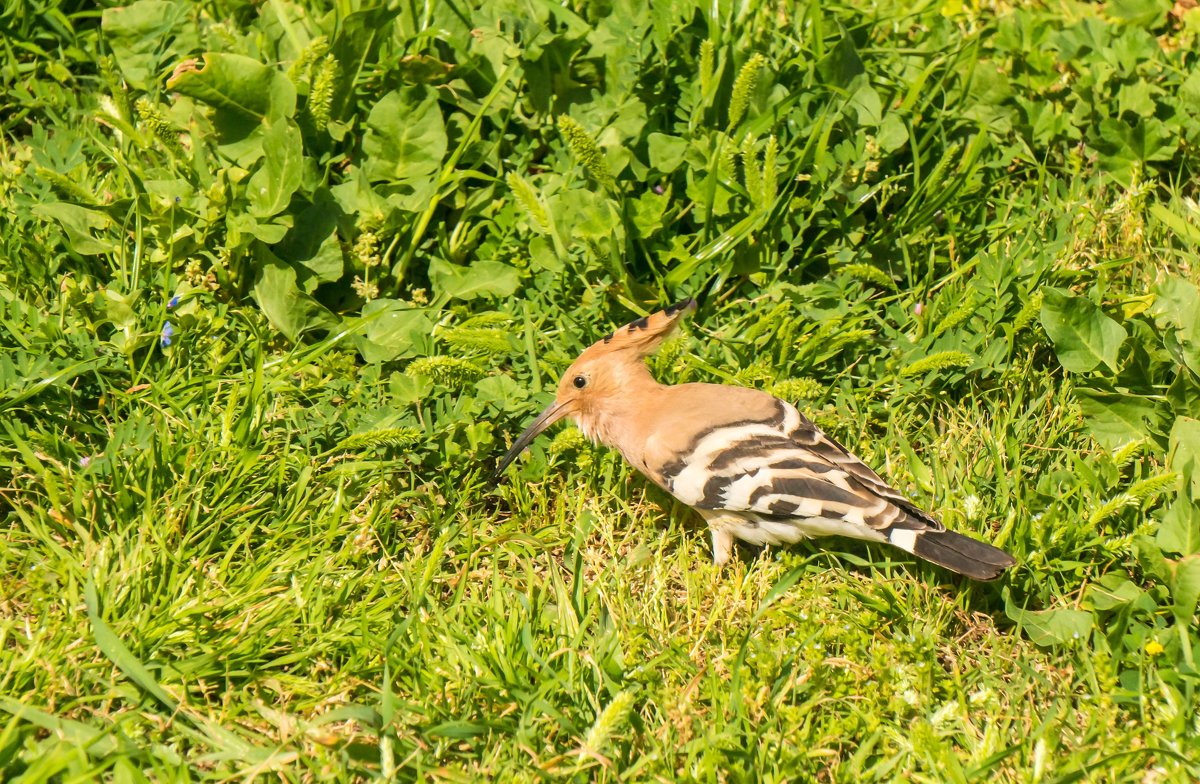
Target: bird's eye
580	382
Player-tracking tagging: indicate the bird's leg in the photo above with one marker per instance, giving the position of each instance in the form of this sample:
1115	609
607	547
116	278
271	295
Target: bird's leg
722	535
722	545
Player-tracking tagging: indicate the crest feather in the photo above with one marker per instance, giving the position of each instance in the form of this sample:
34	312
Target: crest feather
644	335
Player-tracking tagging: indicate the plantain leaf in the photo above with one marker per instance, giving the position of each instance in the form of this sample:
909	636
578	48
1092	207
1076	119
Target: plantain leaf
236	85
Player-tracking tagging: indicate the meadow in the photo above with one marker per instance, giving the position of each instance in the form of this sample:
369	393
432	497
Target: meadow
280	281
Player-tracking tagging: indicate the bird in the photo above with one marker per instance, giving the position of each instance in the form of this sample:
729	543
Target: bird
749	463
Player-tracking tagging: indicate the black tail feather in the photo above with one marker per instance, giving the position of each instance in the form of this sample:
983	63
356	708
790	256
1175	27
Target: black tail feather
962	554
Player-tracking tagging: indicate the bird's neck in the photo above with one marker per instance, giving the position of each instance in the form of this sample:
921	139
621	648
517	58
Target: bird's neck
612	420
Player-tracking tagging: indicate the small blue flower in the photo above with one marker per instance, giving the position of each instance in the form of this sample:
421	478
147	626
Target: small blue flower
173	302
167	332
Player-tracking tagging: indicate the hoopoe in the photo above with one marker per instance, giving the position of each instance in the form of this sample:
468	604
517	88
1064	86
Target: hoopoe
752	465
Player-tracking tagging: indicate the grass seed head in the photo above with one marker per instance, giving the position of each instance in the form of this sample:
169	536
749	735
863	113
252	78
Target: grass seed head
528	198
610	721
587	153
320	97
450	372
158	125
939	361
743	87
707	65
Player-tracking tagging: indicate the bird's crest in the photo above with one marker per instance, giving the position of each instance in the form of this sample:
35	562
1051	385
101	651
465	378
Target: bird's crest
644	335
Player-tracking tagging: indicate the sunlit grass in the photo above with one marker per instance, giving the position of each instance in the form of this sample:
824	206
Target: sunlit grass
244	557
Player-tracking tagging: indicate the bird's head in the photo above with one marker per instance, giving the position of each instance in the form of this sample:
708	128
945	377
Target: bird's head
600	373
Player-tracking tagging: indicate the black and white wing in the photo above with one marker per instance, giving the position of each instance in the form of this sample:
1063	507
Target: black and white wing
787	480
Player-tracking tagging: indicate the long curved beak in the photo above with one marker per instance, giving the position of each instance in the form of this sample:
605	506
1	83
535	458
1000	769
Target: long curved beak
553	413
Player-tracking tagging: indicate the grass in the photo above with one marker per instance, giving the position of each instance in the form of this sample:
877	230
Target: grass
261	545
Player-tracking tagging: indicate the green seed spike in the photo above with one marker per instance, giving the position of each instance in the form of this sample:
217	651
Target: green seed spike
798	389
869	274
743	86
770	186
961	313
610	721
1123	455
1111	507
65	185
755	375
488	339
1152	485
707	66
449	372
298	72
1029	311
487	319
569	439
320	97
939	361
159	127
753	174
395	437
527	197
586	151
367	250
727	159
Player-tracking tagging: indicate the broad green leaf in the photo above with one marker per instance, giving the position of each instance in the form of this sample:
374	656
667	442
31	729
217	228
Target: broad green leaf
118	308
1137	98
1143	13
502	392
584	214
78	223
268	230
1185	588
542	255
312	243
1184	455
648	211
893	134
1184	393
393	330
1112	591
355	196
1051	627
406	136
1115	418
406	390
238	86
271	187
1176	309
142	34
1124	147
865	103
1083	336
355	48
841	64
289	309
481	279
1150	557
1180	528
666	152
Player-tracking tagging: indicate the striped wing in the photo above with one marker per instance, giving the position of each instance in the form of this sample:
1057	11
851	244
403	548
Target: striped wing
787	467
